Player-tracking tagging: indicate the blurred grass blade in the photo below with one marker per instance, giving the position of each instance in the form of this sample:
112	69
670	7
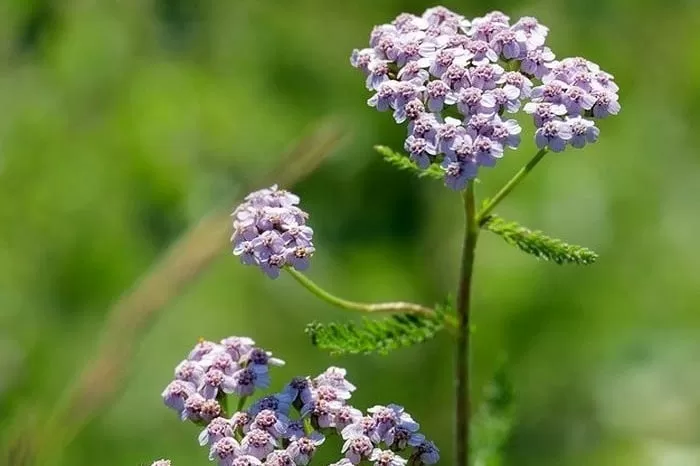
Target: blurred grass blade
104	375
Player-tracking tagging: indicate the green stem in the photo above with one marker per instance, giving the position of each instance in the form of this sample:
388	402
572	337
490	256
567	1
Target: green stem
483	214
394	307
462	414
241	403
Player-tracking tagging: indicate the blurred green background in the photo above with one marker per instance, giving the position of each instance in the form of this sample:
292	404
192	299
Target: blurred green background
124	122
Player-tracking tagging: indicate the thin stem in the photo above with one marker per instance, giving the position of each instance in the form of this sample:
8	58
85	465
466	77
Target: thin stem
394	307
241	403
482	216
471	234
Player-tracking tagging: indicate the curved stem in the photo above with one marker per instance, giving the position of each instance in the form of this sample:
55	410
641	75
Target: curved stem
483	214
471	233
394	307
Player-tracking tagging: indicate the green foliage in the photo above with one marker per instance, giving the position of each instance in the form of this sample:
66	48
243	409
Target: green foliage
377	335
538	244
402	162
493	423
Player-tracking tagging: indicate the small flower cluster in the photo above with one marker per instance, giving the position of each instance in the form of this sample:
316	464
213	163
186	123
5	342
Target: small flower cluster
287	428
453	79
213	370
270	231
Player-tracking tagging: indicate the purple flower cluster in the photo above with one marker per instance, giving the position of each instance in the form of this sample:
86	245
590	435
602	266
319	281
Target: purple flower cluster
573	92
213	370
286	428
453	80
270	231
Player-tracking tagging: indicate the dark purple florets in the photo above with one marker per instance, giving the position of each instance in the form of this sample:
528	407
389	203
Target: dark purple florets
421	67
270	231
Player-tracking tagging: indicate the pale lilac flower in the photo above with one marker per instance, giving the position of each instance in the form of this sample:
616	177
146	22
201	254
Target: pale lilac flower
302	449
298	236
470	101
361	59
176	394
271	422
246	460
577	101
544	111
358	448
378	73
513	80
427	453
485	29
220	360
447	132
413	71
366	425
553	134
387	417
481	53
273	265
345	416
420	151
553	92
343	462
480	125
456	76
606	104
237	347
246	380
462	149
201	349
383	99
209	409
485	76
424	127
386	458
509	43
217	429
487	151
507	133
535	32
537	62
439	94
582	131
161	463
411	111
224	451
215	381
458	174
279	458
299	390
258	443
500	100
604	81
322	412
240	422
401	436
261	358
193	408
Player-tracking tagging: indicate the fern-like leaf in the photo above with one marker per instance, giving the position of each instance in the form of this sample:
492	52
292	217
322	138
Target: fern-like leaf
376	335
493	422
538	244
402	162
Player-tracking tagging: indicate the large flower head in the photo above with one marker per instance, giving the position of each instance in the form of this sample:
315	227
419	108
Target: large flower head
431	68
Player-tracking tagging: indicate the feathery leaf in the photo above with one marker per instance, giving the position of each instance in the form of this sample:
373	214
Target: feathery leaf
402	162
377	335
538	244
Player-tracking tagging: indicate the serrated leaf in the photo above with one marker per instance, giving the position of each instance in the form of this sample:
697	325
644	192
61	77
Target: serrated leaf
538	244
376	335
402	162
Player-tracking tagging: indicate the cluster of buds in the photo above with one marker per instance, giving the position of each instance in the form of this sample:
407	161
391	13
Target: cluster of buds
288	427
270	231
454	80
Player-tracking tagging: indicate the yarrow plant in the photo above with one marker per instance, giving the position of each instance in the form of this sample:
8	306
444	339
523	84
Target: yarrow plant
455	83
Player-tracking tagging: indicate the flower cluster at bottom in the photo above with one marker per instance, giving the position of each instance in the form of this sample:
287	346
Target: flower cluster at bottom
288	427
